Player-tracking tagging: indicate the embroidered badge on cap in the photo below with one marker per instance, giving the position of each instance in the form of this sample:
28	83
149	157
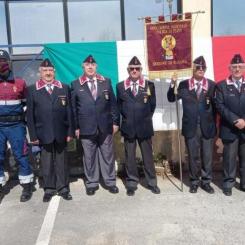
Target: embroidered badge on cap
46	63
237	59
134	62
89	59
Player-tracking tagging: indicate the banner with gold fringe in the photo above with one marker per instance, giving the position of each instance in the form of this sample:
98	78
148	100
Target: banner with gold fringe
169	48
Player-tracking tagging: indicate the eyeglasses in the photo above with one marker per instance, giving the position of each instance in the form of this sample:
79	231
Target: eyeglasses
200	67
87	64
235	67
44	69
134	68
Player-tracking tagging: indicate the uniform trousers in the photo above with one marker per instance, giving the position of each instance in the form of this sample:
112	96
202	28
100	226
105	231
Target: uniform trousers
54	167
16	135
132	178
232	150
200	152
98	156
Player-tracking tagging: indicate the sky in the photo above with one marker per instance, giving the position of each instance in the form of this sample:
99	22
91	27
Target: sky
228	17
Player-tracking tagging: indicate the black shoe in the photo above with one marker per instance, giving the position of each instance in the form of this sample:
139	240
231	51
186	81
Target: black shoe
26	192
193	188
113	189
154	189
227	191
47	197
130	192
91	190
242	188
208	188
66	196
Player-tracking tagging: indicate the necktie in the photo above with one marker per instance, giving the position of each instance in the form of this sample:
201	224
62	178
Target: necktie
199	89
50	90
238	83
134	90
93	89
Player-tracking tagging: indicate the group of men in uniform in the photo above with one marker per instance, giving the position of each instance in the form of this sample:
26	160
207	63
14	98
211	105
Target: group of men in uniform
97	118
201	100
90	111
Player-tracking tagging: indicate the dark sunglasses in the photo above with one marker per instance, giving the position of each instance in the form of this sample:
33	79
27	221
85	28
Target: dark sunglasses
200	67
134	68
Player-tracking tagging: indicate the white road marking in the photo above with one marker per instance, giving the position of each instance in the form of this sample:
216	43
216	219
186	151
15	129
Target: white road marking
48	223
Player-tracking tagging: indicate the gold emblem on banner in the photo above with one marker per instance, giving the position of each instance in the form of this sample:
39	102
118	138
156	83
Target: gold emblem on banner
168	44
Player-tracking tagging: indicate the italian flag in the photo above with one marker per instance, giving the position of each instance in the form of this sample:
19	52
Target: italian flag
113	57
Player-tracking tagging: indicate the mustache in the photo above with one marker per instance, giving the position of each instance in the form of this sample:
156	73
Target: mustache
48	75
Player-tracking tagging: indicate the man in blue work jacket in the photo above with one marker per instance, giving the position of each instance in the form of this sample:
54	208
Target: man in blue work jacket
12	127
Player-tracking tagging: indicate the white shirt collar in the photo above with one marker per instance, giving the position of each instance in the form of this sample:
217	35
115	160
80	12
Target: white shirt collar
196	82
234	80
132	82
49	85
89	83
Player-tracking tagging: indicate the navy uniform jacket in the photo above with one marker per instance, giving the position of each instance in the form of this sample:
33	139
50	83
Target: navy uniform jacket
231	106
91	115
49	117
136	111
194	109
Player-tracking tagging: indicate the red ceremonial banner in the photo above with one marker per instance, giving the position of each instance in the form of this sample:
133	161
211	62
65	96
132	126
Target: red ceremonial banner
169	48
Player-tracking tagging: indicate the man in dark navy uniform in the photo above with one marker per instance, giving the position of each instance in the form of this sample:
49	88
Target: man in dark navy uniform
230	95
49	120
198	122
137	102
96	119
12	127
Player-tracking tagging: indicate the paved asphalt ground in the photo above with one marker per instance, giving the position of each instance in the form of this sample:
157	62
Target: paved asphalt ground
172	217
